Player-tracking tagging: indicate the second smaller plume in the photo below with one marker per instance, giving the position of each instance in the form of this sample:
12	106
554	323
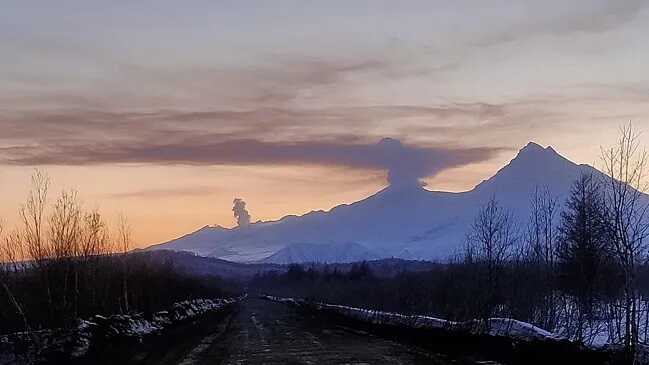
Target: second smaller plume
240	212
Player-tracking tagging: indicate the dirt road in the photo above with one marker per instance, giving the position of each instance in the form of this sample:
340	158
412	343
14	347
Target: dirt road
263	332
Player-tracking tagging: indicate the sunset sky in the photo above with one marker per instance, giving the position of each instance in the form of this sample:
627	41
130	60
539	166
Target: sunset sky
168	110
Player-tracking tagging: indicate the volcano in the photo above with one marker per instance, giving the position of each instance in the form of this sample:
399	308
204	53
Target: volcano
402	220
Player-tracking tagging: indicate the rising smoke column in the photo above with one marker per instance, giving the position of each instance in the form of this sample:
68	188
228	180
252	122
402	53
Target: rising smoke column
240	212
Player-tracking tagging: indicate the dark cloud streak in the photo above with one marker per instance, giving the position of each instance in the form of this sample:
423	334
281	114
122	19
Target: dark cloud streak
336	137
406	164
80	124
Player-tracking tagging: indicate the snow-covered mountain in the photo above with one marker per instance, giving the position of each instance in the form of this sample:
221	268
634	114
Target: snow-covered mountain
336	252
406	221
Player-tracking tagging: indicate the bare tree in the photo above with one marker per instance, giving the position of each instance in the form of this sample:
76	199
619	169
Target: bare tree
489	247
33	238
65	226
95	243
626	207
33	217
124	234
541	235
64	236
124	242
95	236
9	257
541	251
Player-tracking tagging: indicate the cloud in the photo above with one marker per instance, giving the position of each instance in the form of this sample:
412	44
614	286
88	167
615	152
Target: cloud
344	137
567	18
198	191
405	164
274	81
68	126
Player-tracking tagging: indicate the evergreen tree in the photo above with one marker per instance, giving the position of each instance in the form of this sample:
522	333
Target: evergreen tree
582	247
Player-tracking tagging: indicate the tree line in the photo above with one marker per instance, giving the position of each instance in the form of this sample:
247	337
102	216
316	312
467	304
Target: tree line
62	262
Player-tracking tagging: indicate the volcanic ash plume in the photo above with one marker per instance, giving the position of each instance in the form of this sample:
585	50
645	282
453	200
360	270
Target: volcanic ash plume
240	212
405	165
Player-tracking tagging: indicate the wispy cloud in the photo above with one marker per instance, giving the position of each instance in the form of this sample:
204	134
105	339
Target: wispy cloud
192	191
272	82
80	124
567	19
256	137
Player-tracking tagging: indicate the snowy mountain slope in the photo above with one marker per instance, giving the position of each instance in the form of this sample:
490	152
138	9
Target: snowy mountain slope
324	253
406	221
200	242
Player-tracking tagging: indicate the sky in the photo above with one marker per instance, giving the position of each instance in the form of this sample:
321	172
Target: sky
167	111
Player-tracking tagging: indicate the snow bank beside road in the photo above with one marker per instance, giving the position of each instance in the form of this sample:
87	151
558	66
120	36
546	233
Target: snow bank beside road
33	347
135	325
503	327
522	334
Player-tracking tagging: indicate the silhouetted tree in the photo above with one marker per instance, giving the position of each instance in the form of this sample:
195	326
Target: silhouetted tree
626	209
540	252
124	242
489	247
581	251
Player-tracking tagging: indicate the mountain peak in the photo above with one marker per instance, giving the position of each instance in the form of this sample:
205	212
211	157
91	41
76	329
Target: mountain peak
532	147
535	148
535	151
533	165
